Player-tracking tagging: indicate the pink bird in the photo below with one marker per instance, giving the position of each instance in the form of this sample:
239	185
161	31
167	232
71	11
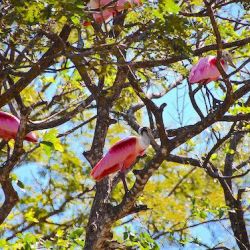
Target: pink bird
206	70
111	10
122	155
9	125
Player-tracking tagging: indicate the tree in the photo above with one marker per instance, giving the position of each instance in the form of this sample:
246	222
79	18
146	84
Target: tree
82	88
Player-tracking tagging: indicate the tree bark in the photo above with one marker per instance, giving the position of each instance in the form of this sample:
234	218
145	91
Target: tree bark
236	212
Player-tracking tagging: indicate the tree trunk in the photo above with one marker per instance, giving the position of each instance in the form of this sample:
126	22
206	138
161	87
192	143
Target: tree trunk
236	216
236	213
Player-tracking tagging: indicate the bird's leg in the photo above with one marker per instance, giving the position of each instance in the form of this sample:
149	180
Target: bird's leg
206	102
122	176
216	102
8	151
209	100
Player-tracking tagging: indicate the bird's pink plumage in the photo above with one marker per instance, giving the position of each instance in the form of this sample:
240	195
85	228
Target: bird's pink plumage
126	149
112	10
205	70
9	125
105	15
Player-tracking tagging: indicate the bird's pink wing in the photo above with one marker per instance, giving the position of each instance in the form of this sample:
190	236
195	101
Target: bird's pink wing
125	4
114	159
31	137
9	125
204	70
105	15
95	4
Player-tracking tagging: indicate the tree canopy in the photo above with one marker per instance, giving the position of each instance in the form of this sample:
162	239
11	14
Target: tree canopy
81	86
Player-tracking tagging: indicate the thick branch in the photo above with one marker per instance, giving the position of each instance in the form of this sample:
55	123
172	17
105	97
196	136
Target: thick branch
11	198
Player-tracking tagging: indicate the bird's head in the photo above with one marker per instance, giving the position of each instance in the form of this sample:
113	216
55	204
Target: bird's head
146	136
226	56
144	131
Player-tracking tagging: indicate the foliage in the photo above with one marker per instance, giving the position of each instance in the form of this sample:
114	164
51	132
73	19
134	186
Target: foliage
84	88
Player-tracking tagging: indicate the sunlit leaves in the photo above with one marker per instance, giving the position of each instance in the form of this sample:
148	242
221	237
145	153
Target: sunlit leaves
165	7
50	142
34	12
31	12
196	2
76	233
142	241
214	156
30	216
240	110
3	243
169	6
196	197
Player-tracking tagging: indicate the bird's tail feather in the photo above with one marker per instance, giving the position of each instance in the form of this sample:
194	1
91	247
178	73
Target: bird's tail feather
100	171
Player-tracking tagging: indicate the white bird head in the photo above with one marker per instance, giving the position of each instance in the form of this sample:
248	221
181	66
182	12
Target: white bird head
144	130
226	56
146	136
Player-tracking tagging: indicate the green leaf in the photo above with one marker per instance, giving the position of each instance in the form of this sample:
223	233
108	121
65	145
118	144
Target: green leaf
51	142
80	6
80	242
3	243
47	143
58	146
14	177
20	184
59	233
203	214
76	233
125	235
214	156
170	6
27	246
75	19
221	213
231	151
30	238
30	216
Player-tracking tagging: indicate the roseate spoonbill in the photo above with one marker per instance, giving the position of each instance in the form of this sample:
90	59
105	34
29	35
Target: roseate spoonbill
122	155
206	70
9	125
111	10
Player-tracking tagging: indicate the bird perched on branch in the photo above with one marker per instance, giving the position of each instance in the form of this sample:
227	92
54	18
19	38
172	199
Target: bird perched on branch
206	70
122	155
9	125
105	10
